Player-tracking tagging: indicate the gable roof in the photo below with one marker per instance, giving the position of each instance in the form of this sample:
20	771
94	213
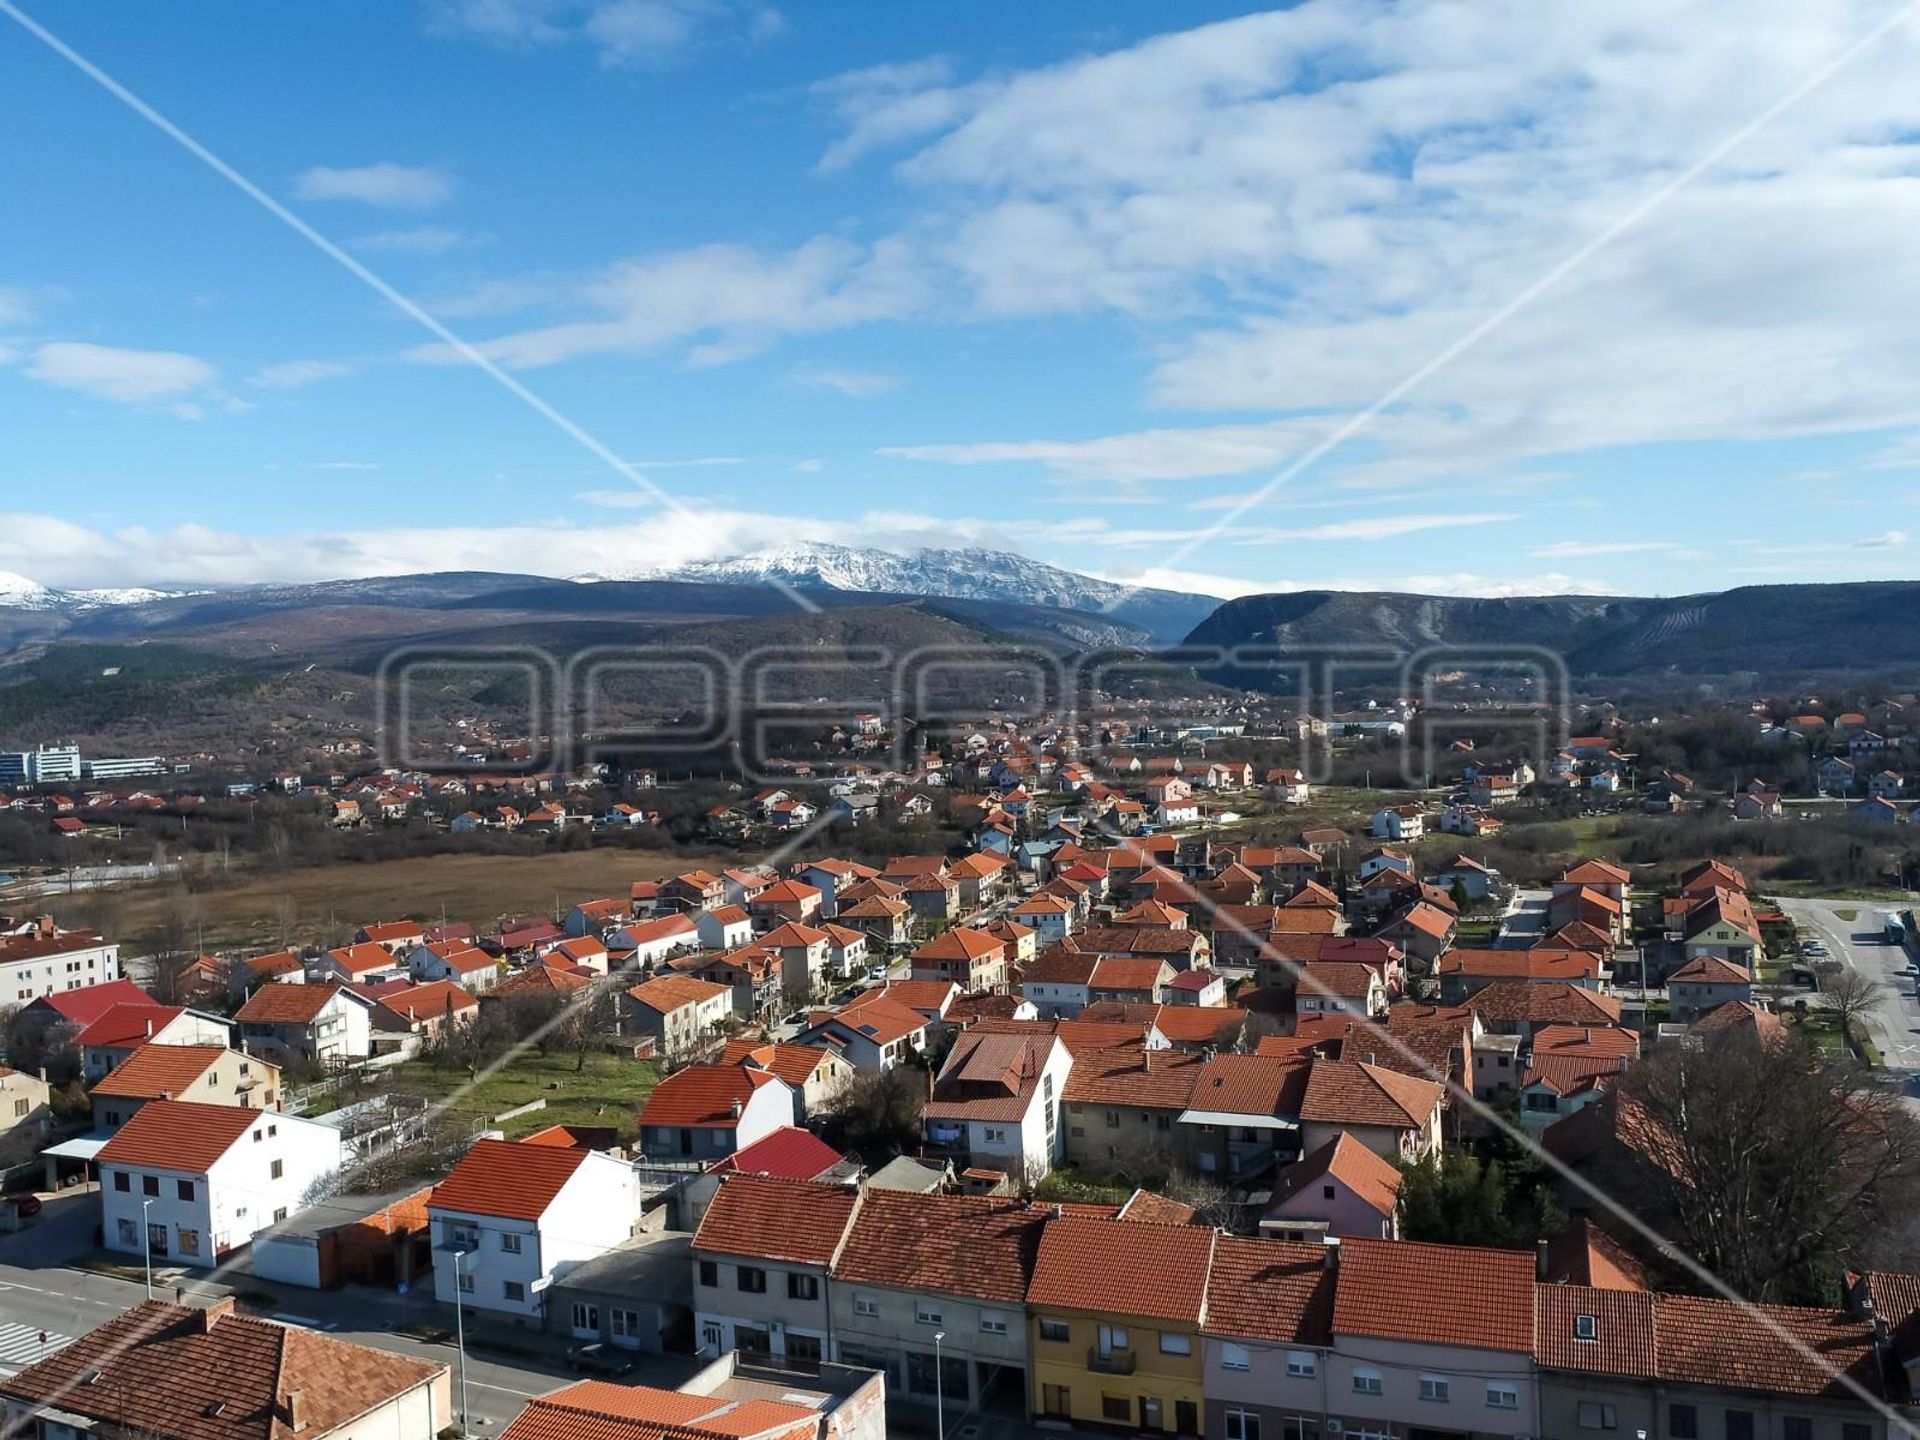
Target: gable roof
604	1410
1469	1296
508	1180
1277	1291
972	1245
129	1024
702	1095
1372	1179
769	1219
88	1003
788	1153
178	1135
1352	1092
287	1004
158	1072
1123	1267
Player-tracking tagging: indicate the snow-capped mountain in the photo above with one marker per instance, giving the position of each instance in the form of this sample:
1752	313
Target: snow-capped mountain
17	592
966	574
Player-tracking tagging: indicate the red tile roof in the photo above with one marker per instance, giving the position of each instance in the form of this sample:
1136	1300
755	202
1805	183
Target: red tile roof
702	1095
1275	1291
158	1072
286	1004
767	1219
176	1135
789	1153
1374	1180
1349	1092
508	1180
1121	1267
967	1245
603	1410
1622	1330
1480	1299
1726	1345
130	1024
213	1375
88	1003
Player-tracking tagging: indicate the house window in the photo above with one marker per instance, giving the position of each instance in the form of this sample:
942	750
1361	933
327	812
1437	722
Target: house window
509	1243
129	1236
513	1289
1435	1388
1854	1430
1058	1330
1326	1192
750	1279
1585	1327
184	1189
1243	1425
1056	1400
1234	1357
803	1287
866	1305
1113	1119
149	1184
1502	1396
276	1169
1592	1415
466	1282
992	1322
1300	1364
1175	1344
586	1319
1739	1425
1683	1422
803	1347
1366	1382
20	1108
709	1274
189	1241
122	1180
1116	1407
1796	1427
925	1314
625	1323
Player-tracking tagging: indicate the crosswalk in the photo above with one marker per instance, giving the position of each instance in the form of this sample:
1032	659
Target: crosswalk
24	1345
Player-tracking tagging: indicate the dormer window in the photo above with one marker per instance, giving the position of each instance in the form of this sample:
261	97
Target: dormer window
1585	1327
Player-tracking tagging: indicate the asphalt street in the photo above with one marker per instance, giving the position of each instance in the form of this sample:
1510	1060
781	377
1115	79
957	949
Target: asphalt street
1860	944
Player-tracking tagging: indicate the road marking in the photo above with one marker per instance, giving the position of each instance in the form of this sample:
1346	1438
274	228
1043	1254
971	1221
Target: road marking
23	1345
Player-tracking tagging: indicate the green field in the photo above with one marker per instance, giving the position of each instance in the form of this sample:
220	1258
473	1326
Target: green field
608	1091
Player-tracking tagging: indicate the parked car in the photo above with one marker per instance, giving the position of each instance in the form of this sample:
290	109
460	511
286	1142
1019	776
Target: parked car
596	1357
25	1203
876	972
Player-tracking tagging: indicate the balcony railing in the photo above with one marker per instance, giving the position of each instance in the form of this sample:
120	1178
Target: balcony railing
1110	1362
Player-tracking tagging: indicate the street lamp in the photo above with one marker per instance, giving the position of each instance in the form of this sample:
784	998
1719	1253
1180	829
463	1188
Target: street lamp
939	1387
146	1241
460	1336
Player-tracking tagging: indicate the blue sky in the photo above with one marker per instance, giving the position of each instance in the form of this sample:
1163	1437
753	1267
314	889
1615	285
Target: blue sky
1043	278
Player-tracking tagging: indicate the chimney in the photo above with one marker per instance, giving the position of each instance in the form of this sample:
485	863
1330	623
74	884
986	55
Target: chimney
293	1407
1541	1265
213	1314
149	1027
1330	1249
736	1109
45	927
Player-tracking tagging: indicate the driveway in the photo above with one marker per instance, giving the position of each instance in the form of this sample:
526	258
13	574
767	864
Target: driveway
1860	945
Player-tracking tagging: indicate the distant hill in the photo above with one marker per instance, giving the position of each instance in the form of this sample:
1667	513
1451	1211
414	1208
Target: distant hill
1766	628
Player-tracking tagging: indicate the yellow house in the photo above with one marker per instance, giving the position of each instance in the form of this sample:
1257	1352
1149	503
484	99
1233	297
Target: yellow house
1114	1310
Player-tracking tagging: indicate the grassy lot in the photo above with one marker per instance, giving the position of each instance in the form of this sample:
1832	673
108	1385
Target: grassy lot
269	908
1822	1031
609	1091
1846	916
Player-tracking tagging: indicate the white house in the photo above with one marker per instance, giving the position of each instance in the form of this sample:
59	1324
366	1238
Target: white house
997	1101
1050	917
726	928
37	958
652	941
511	1217
322	1024
190	1183
467	966
1399	822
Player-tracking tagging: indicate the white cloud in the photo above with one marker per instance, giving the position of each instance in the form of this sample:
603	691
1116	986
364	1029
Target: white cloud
1168	454
1094	530
292	374
133	377
1462	584
855	384
696	462
625	32
20	304
387	185
421	240
1581	549
811	466
346	465
733	300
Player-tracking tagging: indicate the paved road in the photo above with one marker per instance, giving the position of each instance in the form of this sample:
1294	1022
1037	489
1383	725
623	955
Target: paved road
39	1292
1860	945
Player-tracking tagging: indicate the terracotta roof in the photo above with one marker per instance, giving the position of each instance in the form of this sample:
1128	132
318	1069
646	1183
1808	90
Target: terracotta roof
929	997
1621	1322
1562	966
702	1095
213	1375
1585	1040
768	1219
667	993
1710	970
1594	872
1374	1180
277	962
1721	1343
176	1135
1337	979
788	1153
1585	1254
1252	1085
1345	1092
989	1077
1135	1077
1481	1299
129	1024
1742	1016
1555	1003
1570	1074
1127	972
961	943
286	1004
540	980
428	1000
1146	1207
1197	1024
363	958
602	1410
794	1064
1276	1291
976	1246
1119	1267
880	1021
158	1072
512	1181
88	1003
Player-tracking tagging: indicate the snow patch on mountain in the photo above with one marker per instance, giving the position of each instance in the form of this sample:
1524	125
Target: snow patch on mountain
17	592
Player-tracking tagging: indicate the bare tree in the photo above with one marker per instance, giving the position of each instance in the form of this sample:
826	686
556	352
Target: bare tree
1767	1166
1849	995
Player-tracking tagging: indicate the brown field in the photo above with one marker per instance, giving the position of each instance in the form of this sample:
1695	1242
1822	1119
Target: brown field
275	908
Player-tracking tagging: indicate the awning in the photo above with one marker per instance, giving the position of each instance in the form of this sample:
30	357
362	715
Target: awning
81	1147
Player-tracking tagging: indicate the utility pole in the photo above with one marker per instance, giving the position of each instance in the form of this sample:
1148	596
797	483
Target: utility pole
460	1335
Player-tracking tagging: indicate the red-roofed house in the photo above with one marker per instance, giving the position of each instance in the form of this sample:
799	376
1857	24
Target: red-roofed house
761	1258
509	1217
707	1112
108	1041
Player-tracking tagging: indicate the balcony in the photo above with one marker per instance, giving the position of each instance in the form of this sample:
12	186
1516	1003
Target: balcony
1109	1362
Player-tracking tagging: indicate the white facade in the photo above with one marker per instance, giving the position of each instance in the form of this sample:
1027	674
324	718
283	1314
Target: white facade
510	1262
195	1218
31	977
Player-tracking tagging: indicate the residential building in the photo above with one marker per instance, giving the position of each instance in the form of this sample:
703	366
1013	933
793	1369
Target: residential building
1114	1311
26	1109
40	959
1394	1115
189	1183
680	1013
1341	1189
706	1112
874	1036
324	1024
815	1073
201	1074
1266	1362
209	1373
511	1217
1705	983
761	1261
110	1040
996	1104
